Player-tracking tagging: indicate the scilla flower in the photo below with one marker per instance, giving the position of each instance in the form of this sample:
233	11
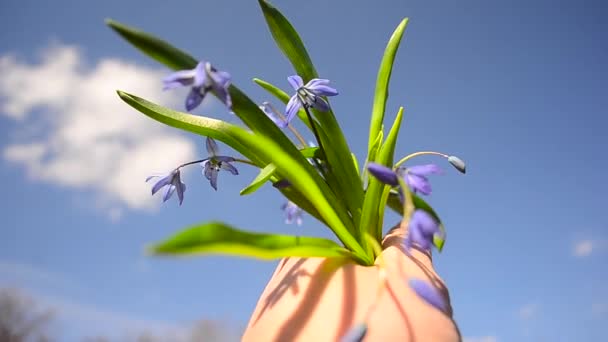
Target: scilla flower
202	78
173	184
422	228
414	176
308	96
215	163
429	294
293	213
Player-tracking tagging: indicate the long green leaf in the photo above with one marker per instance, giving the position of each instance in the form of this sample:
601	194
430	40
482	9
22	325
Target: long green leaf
382	83
220	238
260	179
337	150
156	48
370	216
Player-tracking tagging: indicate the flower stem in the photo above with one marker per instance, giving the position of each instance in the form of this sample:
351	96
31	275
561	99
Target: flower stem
416	154
293	130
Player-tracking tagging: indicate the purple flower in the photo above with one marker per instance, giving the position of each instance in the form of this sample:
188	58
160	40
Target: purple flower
355	334
173	183
422	228
429	294
215	163
293	213
202	78
415	177
309	95
384	174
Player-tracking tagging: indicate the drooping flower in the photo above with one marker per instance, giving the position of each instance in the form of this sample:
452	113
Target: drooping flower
422	228
308	96
414	176
293	213
215	163
203	78
429	294
172	182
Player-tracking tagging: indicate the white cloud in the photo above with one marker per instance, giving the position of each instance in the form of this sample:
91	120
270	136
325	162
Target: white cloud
481	339
528	311
583	248
75	132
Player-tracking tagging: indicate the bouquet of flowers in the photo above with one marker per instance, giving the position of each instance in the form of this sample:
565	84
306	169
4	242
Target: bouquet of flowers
322	179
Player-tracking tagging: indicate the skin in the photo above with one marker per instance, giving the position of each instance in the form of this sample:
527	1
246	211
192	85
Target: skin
317	299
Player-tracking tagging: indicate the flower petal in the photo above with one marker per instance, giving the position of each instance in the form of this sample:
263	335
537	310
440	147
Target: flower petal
323	90
317	81
418	183
229	167
320	104
426	222
207	168
295	81
212	147
384	174
168	192
220	84
429	294
424	170
200	75
162	182
267	108
213	177
195	97
223	159
293	106
182	77
181	188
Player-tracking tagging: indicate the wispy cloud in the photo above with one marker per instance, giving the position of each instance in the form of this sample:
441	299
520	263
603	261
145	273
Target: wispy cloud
528	311
586	247
75	132
488	338
582	248
18	274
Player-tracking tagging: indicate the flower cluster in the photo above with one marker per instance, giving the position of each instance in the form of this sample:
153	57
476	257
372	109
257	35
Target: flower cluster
204	78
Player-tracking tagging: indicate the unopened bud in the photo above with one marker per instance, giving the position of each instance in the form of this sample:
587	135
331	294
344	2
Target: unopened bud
458	164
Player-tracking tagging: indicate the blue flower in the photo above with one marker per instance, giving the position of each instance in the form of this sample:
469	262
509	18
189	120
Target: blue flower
173	183
414	176
293	213
422	228
215	163
308	96
202	78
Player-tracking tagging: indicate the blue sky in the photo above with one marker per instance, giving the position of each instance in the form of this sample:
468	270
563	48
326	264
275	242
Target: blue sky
517	89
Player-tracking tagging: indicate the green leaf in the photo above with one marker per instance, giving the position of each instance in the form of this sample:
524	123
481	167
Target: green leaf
220	238
370	218
382	83
262	150
156	48
332	140
261	178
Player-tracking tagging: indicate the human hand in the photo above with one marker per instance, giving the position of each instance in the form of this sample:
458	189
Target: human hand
318	299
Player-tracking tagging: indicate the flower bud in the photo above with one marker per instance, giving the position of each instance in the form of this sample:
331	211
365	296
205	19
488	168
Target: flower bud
458	164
